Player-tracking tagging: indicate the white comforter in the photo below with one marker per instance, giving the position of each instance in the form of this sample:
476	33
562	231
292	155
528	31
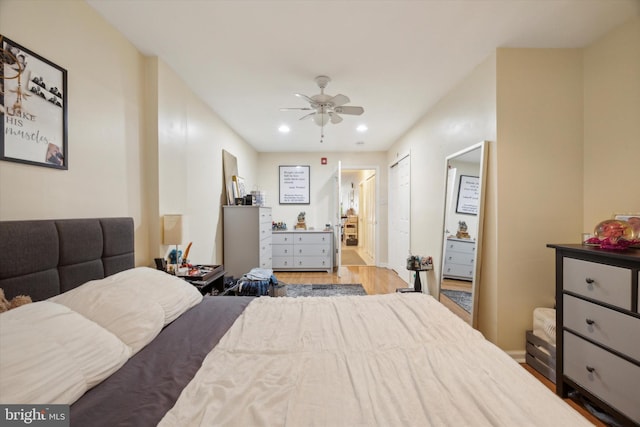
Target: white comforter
383	360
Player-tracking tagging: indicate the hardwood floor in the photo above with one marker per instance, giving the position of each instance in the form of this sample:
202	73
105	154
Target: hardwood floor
374	280
377	280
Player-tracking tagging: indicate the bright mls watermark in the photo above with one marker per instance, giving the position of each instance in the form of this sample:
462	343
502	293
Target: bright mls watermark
34	415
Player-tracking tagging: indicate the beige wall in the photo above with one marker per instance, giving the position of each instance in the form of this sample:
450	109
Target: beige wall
191	138
324	203
539	157
612	125
105	111
565	127
464	117
141	144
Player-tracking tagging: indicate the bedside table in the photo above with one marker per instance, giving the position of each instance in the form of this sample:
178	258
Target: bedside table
209	278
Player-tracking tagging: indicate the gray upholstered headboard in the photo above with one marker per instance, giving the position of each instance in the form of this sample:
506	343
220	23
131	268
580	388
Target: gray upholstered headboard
43	258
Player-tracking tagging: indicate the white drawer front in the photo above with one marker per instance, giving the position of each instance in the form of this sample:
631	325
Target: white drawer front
282	262
265	230
312	238
311	250
265	216
458	270
466	247
610	328
460	258
266	263
282	238
282	250
614	380
601	282
312	262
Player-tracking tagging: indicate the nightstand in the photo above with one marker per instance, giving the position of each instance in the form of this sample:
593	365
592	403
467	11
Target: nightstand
208	278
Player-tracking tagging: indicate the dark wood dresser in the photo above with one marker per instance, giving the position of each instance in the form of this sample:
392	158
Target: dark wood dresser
598	324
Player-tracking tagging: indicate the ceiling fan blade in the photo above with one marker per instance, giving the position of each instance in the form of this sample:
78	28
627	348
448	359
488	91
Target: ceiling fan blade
335	118
305	97
339	100
356	111
296	109
307	116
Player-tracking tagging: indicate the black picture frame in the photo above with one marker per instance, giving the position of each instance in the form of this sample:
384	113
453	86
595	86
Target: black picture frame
33	108
294	185
468	195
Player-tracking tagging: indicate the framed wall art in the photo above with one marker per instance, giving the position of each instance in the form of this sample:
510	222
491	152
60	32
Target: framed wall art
468	195
33	108
294	185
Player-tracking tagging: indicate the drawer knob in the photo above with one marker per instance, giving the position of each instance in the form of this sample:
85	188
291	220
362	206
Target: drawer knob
590	368
589	321
589	280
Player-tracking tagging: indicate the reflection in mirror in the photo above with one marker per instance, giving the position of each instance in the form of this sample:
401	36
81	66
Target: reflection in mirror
462	236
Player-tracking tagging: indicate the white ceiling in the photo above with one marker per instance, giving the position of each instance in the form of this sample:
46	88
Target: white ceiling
396	58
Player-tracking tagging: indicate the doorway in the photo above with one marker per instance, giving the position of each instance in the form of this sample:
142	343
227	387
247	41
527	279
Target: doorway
358	217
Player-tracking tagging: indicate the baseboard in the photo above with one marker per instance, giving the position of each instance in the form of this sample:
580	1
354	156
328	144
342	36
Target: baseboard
518	355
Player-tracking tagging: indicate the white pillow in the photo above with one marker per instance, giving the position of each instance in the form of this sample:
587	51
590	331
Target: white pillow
50	354
134	304
174	295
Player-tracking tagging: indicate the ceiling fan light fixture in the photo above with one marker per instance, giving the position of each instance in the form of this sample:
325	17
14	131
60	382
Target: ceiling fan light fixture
321	118
284	129
362	128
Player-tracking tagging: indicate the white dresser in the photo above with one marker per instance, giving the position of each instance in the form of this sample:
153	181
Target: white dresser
598	343
459	257
306	250
247	239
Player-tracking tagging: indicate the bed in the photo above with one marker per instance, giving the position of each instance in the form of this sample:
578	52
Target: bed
129	346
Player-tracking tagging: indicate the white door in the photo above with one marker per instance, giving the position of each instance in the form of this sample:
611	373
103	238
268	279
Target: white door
368	203
400	217
337	222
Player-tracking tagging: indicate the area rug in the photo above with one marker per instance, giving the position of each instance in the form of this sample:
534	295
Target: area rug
351	257
463	299
285	290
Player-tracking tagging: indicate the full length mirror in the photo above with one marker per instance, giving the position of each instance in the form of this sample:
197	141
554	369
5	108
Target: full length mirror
462	233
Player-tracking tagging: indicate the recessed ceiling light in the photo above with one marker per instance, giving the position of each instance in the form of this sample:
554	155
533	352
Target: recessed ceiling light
362	128
284	129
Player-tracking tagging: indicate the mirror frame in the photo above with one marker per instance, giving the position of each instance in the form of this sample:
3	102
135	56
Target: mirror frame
477	264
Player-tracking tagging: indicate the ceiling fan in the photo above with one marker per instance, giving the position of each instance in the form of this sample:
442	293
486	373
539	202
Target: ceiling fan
326	108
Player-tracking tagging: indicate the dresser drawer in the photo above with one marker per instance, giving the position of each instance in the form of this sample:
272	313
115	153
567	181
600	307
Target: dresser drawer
312	262
265	230
282	262
265	216
282	250
608	327
601	282
312	238
458	270
282	238
311	250
461	246
460	258
612	379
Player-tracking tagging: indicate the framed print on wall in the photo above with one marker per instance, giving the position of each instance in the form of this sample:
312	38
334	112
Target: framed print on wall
468	195
33	108
294	185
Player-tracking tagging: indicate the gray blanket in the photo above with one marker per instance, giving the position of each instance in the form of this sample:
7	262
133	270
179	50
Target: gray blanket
148	385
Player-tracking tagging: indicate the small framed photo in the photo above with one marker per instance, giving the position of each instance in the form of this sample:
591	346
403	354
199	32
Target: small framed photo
33	108
294	185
